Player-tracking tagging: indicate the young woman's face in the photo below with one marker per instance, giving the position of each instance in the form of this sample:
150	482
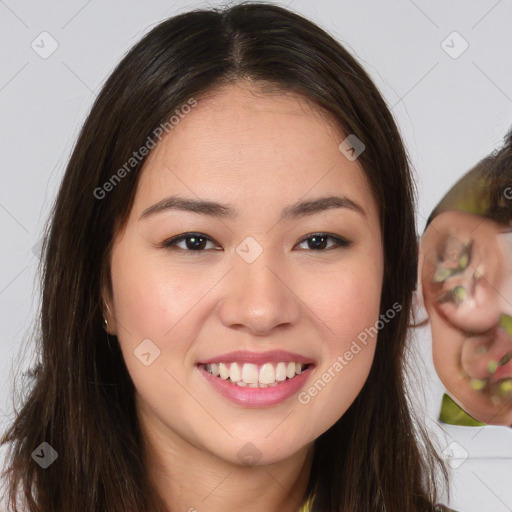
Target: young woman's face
254	287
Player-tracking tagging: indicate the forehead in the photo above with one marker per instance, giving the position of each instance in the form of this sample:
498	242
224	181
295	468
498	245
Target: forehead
255	145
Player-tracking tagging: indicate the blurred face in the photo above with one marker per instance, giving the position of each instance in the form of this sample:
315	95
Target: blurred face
466	280
237	283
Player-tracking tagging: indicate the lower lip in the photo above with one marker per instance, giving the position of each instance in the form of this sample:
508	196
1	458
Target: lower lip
258	397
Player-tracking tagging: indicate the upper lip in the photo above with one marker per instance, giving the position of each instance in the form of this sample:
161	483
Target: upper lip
246	356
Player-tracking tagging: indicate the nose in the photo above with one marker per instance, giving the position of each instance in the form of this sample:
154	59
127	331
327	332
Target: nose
259	297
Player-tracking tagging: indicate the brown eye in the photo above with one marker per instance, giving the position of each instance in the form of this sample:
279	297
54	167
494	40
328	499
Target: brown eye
318	241
193	242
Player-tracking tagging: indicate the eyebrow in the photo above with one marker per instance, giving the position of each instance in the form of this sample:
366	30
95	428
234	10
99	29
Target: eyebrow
226	211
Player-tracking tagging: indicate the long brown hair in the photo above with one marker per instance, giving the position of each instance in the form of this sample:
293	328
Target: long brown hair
81	399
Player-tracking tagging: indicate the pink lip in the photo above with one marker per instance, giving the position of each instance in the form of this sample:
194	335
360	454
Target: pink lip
245	356
257	397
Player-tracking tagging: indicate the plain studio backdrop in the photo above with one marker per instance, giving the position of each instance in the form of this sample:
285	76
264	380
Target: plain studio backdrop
444	68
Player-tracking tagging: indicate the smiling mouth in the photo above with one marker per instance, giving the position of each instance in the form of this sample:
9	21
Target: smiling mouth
256	376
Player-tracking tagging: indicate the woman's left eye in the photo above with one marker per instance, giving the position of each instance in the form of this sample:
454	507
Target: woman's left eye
318	241
195	242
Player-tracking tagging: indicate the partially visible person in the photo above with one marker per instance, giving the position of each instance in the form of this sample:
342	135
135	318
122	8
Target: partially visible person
465	273
464	277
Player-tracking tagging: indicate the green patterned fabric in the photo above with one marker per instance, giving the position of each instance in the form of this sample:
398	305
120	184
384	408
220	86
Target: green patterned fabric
453	414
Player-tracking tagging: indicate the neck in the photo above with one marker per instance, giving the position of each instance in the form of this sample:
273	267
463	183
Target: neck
190	479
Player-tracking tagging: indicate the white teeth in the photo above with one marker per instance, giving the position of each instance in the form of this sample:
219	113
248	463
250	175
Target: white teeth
224	372
249	375
281	372
267	374
234	373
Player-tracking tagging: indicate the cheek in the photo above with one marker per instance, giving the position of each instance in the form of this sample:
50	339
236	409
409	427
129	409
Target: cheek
353	307
139	299
152	306
347	307
353	299
155	328
150	297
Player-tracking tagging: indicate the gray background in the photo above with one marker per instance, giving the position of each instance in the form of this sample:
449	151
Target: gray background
452	110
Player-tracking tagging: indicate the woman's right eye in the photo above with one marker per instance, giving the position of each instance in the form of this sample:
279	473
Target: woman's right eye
193	242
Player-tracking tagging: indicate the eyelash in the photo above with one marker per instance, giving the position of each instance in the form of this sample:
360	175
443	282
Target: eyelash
171	242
